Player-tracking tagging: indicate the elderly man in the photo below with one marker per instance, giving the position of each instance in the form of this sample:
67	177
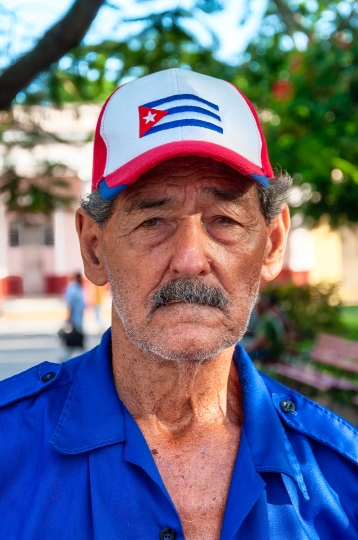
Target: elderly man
166	430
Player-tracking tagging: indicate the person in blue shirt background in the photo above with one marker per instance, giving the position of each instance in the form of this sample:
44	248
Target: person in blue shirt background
166	430
71	333
75	300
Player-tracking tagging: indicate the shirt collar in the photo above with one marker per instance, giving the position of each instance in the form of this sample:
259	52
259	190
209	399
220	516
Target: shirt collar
93	415
270	448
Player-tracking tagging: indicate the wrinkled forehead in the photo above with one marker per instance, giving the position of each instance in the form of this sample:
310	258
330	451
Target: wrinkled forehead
191	173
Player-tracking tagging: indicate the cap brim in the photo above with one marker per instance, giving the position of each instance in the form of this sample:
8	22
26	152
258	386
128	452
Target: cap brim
126	175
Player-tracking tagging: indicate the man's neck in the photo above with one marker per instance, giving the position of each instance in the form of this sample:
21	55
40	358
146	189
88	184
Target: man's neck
190	415
175	397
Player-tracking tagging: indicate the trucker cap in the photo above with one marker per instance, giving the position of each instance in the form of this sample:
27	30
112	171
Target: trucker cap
173	113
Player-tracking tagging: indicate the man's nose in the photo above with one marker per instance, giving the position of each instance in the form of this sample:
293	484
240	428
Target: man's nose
190	245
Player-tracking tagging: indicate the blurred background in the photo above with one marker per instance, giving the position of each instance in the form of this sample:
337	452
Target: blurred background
295	60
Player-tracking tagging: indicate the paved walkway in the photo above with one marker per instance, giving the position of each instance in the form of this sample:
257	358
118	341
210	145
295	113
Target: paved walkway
28	332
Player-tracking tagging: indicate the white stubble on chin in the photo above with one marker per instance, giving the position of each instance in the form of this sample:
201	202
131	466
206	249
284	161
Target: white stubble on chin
150	340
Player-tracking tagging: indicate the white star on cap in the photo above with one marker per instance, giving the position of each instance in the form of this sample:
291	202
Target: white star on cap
149	117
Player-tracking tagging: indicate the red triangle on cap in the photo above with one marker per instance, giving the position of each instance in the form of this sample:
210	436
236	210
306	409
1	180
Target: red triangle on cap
148	118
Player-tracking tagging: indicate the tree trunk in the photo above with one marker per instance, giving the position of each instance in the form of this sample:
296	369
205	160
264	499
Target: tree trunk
57	41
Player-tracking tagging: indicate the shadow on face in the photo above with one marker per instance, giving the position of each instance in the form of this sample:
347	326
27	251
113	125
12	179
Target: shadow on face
186	171
183	253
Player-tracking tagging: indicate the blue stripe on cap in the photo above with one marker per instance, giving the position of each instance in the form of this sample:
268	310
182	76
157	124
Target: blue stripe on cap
261	179
109	193
192	108
178	97
184	122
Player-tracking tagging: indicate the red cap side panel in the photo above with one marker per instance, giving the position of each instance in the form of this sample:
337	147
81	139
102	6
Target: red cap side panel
266	165
100	148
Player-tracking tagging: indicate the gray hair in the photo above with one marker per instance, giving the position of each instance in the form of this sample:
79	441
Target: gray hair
272	199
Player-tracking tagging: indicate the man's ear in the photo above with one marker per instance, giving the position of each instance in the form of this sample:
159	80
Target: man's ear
277	232
90	237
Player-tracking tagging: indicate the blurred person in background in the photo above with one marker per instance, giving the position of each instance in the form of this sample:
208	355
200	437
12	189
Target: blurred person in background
291	332
75	300
72	331
166	430
268	343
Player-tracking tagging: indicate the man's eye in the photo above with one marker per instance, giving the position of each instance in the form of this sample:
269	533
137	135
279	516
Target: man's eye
225	220
152	222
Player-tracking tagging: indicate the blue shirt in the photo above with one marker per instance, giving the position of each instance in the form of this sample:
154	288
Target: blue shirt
75	465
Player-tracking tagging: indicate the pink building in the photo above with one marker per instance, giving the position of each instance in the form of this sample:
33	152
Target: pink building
37	253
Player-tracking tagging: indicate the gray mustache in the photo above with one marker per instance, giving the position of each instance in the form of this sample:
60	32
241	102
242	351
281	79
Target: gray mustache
189	292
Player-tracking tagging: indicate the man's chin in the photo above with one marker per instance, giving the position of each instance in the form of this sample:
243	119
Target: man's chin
183	354
186	343
191	333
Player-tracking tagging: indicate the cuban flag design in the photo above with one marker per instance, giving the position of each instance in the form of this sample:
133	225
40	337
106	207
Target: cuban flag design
175	112
178	110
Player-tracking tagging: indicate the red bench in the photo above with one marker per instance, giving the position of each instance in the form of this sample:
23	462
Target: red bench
336	351
330	351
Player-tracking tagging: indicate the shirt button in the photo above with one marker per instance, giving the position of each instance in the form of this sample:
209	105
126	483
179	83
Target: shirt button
287	406
167	534
48	376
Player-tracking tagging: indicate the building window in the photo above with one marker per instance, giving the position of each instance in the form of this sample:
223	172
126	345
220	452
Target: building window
31	234
49	239
13	235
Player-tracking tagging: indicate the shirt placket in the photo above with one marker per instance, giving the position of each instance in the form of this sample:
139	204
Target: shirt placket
245	489
163	514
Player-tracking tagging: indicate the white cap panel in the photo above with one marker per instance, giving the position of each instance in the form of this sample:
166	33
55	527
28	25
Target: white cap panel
241	133
120	122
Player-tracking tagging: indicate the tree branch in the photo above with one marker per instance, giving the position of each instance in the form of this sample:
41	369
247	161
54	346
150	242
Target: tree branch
57	41
288	17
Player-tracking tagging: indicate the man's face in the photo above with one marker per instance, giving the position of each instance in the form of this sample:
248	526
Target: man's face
194	221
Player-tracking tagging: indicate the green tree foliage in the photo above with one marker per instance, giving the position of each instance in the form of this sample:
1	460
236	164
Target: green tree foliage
311	308
310	99
300	72
37	195
91	72
38	191
59	38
